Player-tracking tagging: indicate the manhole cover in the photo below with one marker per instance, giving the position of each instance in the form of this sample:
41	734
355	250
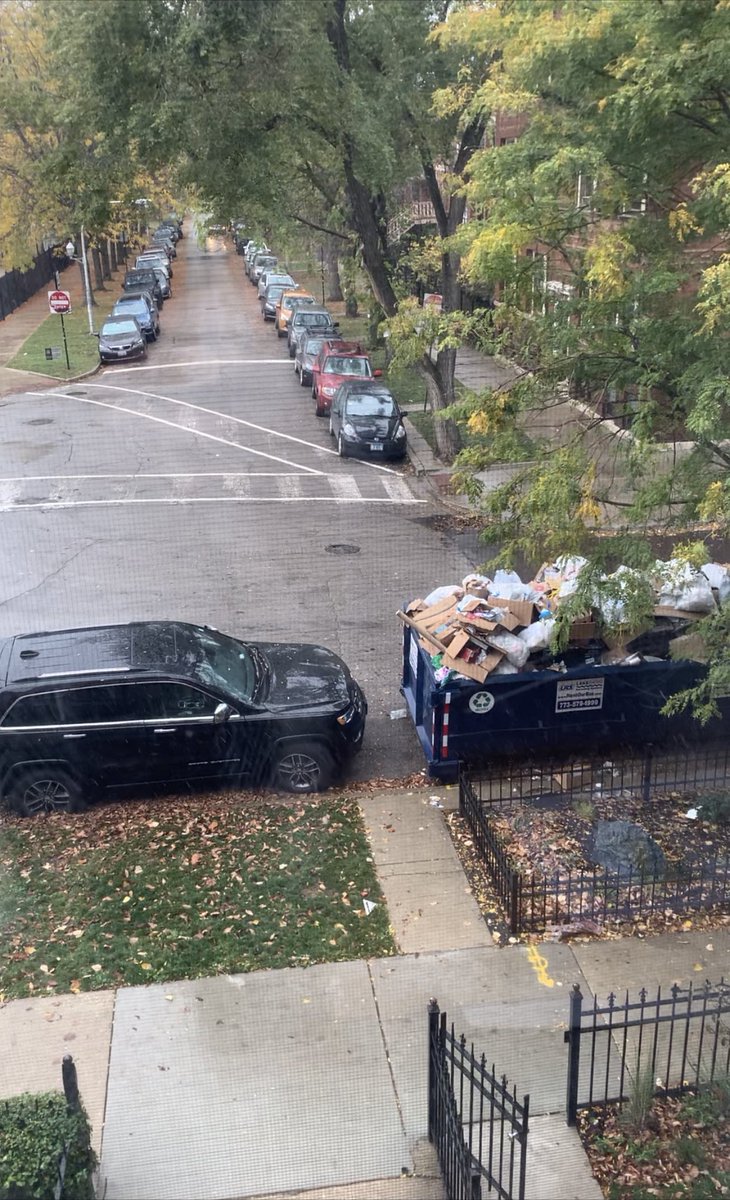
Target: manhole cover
40	421
342	548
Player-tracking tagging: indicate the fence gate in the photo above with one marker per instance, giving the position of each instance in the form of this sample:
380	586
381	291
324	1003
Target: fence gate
477	1125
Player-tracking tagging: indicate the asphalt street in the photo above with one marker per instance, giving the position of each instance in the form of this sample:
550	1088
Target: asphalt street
199	485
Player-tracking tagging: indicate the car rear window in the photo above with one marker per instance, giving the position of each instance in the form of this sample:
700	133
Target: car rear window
370	406
305	318
340	365
120	325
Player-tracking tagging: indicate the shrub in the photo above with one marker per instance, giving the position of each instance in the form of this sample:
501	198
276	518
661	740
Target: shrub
33	1133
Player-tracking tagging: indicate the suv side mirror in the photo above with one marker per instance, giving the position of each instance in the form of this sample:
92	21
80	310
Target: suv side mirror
222	713
377	374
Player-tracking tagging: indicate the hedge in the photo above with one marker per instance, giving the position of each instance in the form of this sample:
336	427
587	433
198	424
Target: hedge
33	1133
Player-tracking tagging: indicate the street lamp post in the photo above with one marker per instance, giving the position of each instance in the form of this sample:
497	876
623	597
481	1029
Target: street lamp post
70	251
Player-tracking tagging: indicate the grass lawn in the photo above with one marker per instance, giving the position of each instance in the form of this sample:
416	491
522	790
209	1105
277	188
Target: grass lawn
182	887
83	349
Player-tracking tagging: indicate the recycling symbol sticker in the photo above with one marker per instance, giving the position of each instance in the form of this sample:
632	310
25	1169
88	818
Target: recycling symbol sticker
481	702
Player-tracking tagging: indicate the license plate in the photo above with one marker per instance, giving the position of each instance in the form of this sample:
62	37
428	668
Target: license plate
376	445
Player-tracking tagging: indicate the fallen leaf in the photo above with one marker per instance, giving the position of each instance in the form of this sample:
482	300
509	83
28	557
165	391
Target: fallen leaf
194	859
75	986
29	949
146	966
138	870
96	967
77	933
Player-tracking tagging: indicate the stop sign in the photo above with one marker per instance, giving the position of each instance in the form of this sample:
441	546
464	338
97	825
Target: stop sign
59	301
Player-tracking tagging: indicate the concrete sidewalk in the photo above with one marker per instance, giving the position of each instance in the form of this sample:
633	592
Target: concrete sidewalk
313	1080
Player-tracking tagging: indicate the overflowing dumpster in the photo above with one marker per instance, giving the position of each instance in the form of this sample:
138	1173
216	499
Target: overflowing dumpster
583	709
481	681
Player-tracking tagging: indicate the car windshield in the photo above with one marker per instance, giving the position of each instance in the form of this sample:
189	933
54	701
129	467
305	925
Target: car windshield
370	406
225	663
313	345
120	325
312	319
341	365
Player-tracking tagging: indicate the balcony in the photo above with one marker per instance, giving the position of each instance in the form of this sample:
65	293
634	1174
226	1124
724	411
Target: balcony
417	212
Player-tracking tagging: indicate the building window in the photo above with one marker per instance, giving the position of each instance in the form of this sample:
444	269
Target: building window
586	189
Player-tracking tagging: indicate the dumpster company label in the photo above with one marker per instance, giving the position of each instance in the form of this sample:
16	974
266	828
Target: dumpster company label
574	694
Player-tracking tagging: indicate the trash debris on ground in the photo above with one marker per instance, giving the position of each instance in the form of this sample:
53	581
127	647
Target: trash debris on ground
505	626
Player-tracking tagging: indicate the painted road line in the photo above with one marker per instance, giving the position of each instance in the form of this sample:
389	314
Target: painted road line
209	362
345	487
157	475
397	488
174	425
289	437
291	486
108	503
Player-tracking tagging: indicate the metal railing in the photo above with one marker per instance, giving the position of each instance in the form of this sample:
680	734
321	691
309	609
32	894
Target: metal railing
533	901
478	1126
681	1041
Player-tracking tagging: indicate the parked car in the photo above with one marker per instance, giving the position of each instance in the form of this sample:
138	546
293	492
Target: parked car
121	338
138	280
134	305
308	317
121	707
163	242
335	363
154	258
261	262
288	301
252	249
172	226
271	299
308	347
273	275
365	420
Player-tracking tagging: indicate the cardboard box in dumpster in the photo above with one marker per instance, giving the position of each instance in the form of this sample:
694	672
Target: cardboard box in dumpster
522	611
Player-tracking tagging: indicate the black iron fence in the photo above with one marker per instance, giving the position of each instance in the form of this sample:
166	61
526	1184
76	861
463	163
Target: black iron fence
533	901
705	768
18	286
670	1044
478	1126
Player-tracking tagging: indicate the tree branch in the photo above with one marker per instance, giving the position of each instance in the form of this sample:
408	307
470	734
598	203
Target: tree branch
320	228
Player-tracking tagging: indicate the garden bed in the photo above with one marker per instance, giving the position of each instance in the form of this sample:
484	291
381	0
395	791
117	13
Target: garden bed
548	843
678	1150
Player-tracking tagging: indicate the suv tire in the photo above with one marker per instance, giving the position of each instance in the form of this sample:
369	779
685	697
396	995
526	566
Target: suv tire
302	767
45	789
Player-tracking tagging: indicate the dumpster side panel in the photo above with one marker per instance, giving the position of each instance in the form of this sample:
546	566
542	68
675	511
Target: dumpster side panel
587	708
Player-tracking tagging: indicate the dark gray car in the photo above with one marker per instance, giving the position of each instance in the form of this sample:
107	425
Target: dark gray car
121	338
134	305
366	421
308	319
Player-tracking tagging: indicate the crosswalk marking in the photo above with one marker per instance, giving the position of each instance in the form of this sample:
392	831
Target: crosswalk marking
88	491
344	487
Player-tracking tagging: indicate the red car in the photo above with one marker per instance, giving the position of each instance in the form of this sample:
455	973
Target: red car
336	362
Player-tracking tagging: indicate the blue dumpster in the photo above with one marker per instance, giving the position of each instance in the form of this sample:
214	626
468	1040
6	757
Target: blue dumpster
587	708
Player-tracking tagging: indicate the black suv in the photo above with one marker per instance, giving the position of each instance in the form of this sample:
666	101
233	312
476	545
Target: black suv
154	703
144	280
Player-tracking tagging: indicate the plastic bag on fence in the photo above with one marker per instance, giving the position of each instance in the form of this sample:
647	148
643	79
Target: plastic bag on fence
718	577
537	636
510	645
441	593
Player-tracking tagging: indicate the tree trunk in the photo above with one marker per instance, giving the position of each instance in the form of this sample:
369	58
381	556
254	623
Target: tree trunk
105	264
439	377
113	254
332	264
98	274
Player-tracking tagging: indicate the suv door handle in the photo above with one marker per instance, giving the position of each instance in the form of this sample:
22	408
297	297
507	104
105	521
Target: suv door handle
167	729
74	735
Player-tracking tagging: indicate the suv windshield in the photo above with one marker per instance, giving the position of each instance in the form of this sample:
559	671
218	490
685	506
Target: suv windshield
336	365
224	663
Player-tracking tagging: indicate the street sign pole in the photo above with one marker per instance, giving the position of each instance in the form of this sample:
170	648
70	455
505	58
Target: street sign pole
63	326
